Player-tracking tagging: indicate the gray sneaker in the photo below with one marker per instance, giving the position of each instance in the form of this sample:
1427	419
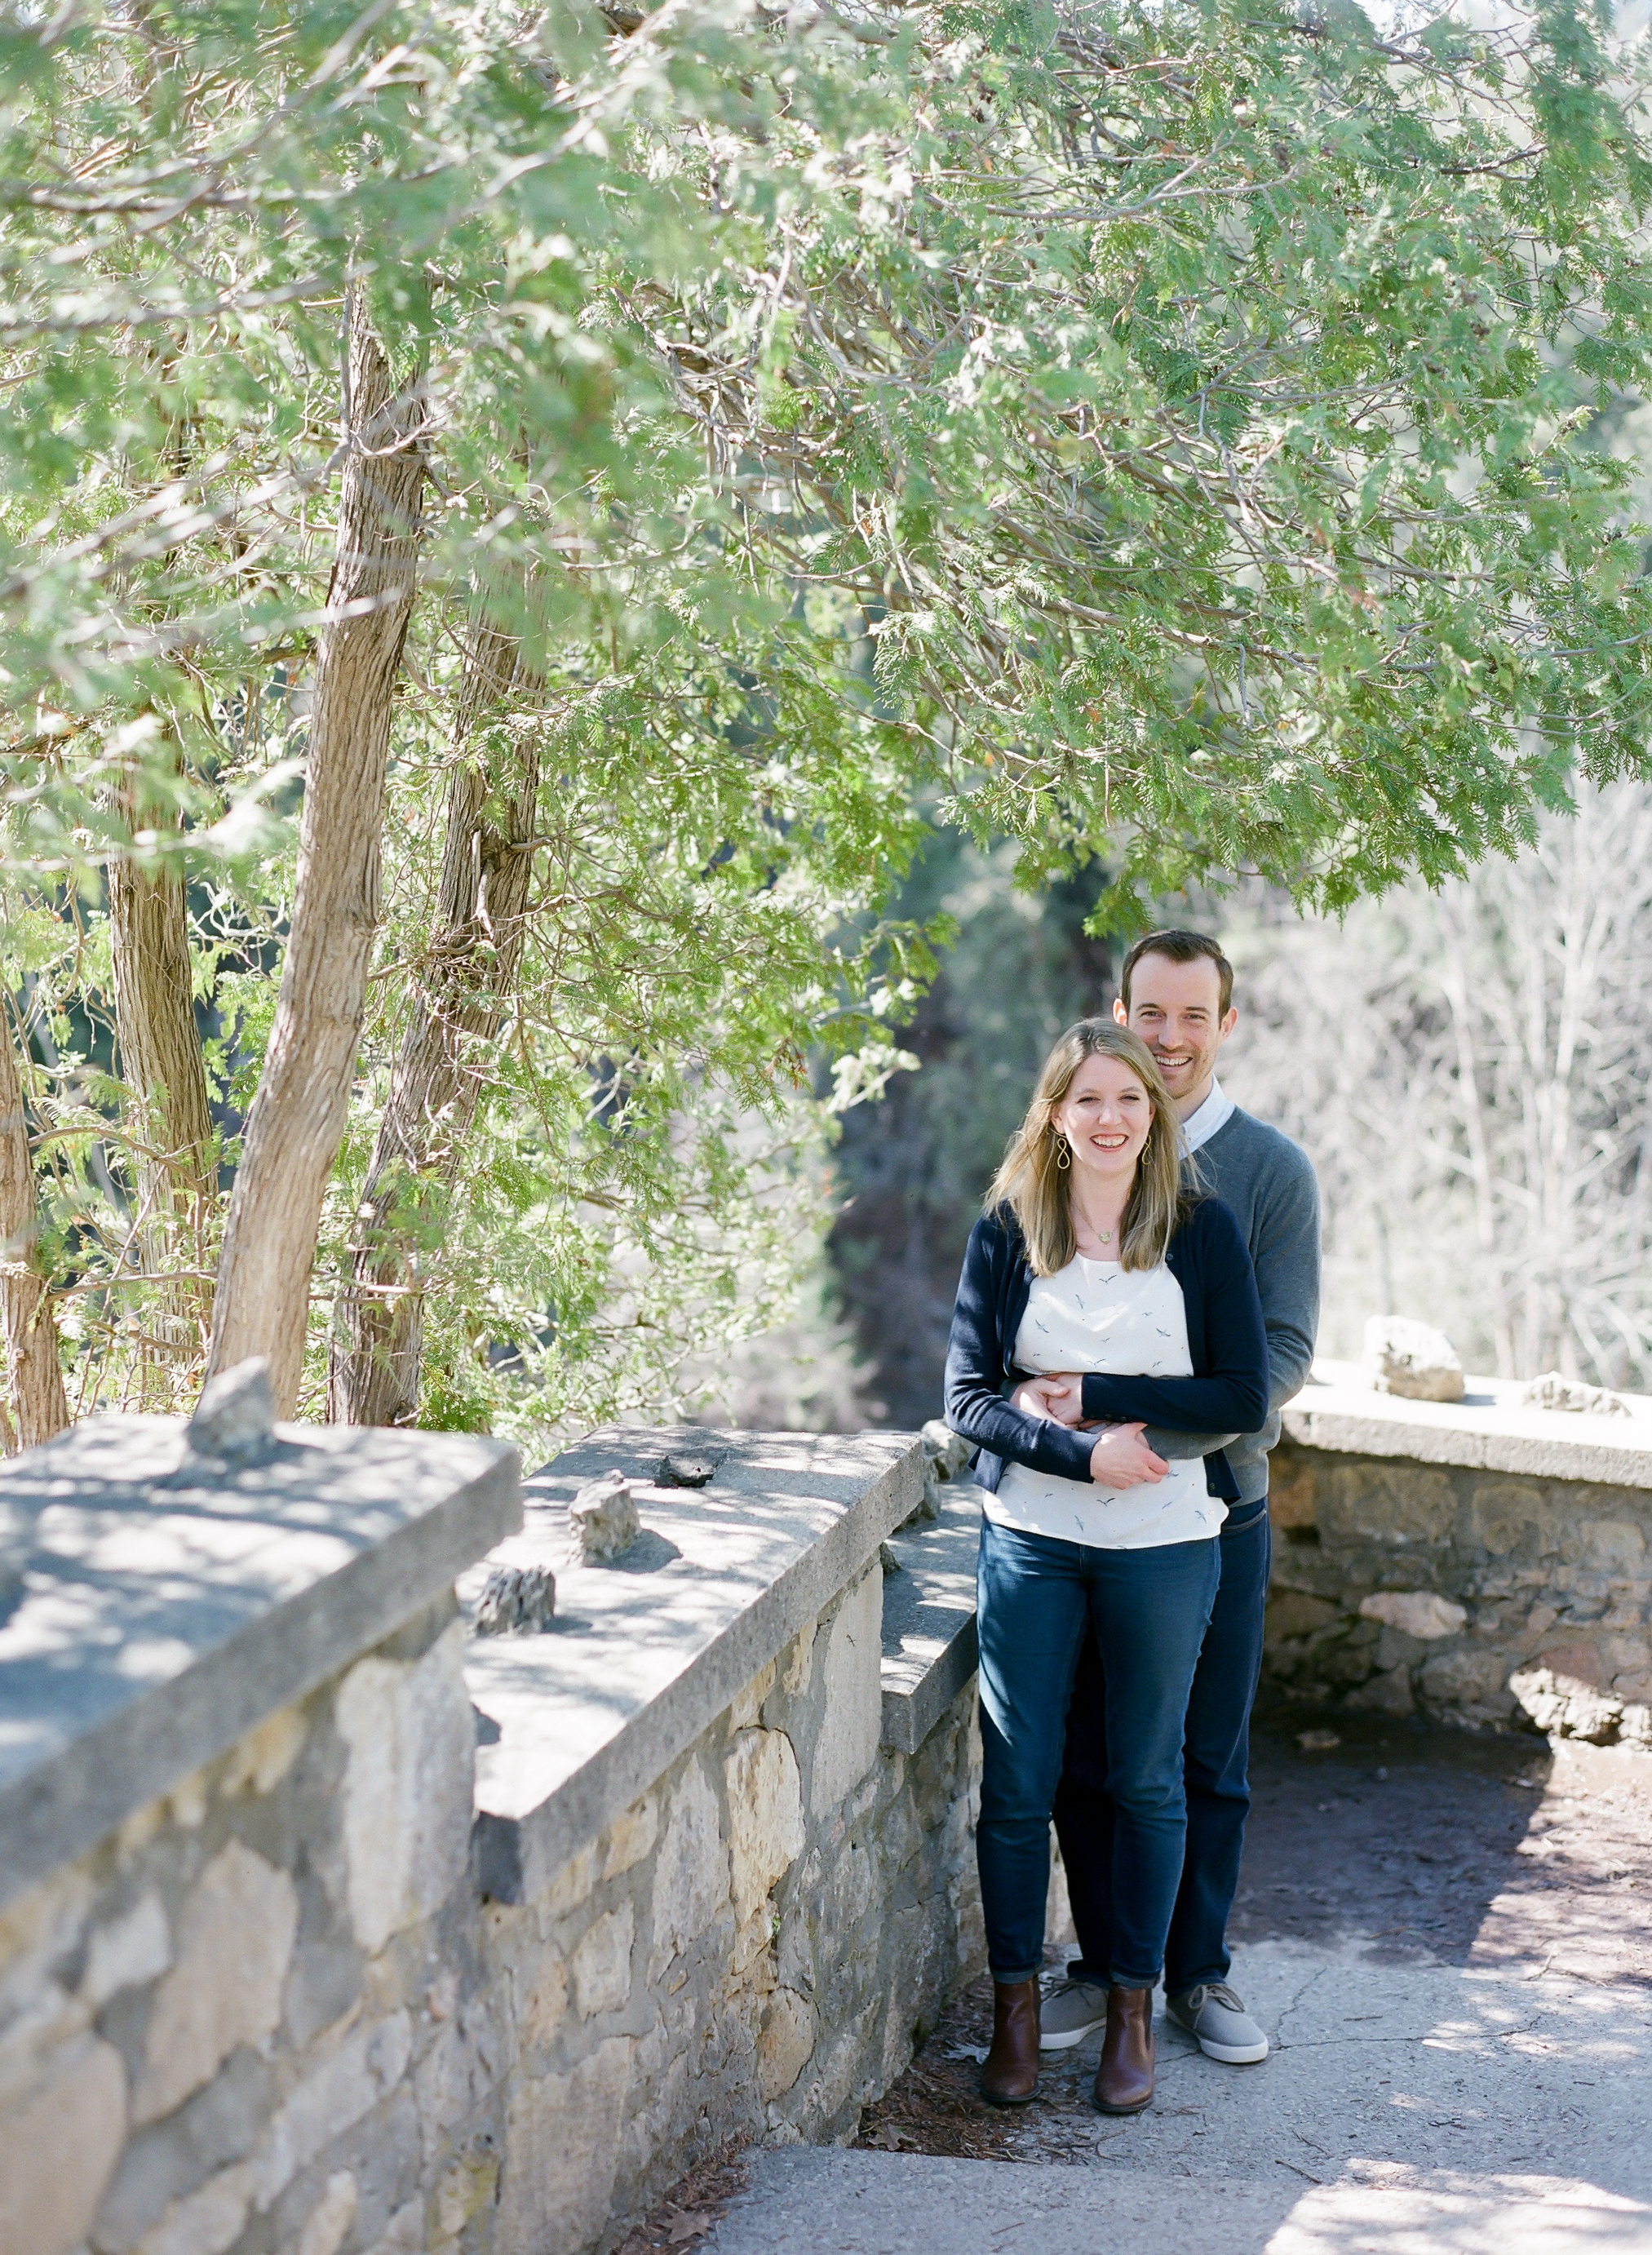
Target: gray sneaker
1216	2015
1072	2011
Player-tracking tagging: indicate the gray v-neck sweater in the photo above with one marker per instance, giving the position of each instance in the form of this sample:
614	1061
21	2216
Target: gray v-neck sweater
1269	1182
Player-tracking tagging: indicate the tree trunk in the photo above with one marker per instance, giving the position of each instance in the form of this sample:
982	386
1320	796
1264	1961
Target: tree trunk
298	1117
161	1062
474	955
35	1382
155	1027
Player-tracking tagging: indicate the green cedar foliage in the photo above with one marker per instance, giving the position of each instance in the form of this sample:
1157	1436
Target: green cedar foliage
1197	390
1144	430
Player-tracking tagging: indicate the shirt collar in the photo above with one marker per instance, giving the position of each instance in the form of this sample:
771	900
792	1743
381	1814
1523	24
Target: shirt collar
1215	1113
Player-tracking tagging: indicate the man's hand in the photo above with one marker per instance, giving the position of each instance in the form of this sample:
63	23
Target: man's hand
1121	1459
1058	1396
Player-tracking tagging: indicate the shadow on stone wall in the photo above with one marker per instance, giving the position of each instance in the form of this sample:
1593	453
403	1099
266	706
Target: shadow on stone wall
1477	1598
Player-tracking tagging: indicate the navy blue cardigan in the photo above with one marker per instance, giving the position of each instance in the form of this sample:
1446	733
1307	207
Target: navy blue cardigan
1227	1343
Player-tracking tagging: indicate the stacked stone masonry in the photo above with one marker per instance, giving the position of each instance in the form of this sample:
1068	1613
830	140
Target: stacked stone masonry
369	1937
274	2012
1445	1579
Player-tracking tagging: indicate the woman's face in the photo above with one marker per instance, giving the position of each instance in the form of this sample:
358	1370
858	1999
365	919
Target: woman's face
1105	1117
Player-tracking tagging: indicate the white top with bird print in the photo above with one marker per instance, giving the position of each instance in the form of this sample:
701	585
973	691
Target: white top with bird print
1095	1315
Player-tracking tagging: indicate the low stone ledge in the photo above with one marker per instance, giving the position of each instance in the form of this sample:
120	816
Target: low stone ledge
167	1609
648	1649
270	2010
929	1621
1490	1429
1480	1562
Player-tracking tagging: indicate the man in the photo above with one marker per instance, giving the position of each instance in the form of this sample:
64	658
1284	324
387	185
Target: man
1176	994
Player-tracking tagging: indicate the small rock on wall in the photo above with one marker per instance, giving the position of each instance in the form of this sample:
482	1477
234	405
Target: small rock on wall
1415	1360
602	1520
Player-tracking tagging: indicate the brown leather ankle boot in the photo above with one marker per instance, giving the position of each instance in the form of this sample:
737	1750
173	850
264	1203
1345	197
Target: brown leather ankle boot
1011	2076
1124	2079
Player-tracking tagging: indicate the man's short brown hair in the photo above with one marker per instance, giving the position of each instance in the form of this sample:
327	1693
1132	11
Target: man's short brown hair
1180	947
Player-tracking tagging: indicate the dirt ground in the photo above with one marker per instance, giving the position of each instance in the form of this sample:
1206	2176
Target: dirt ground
692	2206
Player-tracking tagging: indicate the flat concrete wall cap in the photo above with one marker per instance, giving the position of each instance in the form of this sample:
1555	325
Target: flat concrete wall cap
167	1611
648	1649
1488	1430
929	1619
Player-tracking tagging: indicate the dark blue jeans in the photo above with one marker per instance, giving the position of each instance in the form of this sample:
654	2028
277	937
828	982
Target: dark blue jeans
1037	1599
1217	1779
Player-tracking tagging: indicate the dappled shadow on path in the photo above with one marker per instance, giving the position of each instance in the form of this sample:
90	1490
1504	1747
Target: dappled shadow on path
1429	1844
1448	1939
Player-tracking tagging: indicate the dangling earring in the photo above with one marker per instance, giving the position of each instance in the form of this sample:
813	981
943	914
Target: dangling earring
1064	1155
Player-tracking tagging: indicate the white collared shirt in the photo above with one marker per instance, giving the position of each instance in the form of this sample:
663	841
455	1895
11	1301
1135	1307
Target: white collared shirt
1214	1113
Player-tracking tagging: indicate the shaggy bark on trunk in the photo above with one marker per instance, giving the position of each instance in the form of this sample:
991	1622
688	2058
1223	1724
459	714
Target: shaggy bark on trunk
474	955
34	1381
299	1115
161	1062
159	1040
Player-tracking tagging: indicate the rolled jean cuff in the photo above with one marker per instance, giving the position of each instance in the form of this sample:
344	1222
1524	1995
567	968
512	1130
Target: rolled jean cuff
1117	1980
1199	1981
1009	1980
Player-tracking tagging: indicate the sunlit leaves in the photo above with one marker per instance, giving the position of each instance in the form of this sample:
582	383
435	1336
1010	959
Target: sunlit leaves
1156	431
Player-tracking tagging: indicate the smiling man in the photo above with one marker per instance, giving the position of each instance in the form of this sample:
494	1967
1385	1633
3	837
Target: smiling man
1176	992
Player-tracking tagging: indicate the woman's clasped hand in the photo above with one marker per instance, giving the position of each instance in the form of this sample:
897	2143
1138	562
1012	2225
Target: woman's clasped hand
1120	1457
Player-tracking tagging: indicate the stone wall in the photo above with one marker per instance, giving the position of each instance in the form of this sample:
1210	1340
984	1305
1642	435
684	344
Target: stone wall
754	1948
275	2011
1438	1560
219	2026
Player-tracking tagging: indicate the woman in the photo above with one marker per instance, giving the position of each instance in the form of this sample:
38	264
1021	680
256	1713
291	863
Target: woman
1094	1254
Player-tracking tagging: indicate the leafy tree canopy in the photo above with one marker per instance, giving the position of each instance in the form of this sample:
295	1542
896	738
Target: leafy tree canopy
1195	398
1157	432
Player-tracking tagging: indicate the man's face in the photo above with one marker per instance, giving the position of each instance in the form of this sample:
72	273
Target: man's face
1175	1009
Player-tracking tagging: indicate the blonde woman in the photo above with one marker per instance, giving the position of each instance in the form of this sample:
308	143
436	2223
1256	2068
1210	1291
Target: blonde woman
1093	1255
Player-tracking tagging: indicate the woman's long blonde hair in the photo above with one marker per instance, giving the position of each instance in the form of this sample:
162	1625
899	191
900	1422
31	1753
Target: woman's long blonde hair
1033	1182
